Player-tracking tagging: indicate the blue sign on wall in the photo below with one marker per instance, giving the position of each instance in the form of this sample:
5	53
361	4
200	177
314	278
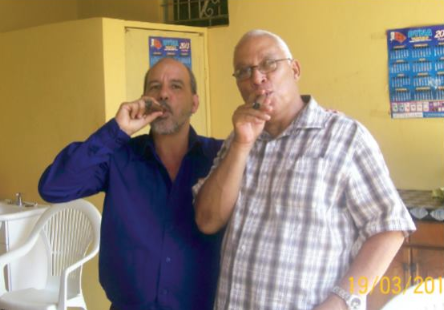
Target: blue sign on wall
416	72
177	48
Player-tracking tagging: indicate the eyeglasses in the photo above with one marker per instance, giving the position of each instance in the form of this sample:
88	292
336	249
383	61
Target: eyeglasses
265	66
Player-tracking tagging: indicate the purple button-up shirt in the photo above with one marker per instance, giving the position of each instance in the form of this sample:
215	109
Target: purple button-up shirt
152	255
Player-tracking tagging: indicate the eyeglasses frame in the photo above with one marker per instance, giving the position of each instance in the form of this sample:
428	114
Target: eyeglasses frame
235	74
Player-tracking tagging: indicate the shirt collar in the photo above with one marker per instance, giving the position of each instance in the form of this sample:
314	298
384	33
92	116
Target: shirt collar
312	116
144	145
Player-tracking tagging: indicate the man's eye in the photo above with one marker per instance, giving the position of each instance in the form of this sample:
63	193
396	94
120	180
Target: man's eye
154	87
268	64
244	71
176	86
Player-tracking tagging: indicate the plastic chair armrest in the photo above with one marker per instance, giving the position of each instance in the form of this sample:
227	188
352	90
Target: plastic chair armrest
13	255
64	277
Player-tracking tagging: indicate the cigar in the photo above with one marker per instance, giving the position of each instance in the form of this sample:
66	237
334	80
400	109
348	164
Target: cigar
256	105
151	107
258	101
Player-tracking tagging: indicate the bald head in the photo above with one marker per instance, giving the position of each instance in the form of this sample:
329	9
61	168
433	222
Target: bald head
193	84
256	33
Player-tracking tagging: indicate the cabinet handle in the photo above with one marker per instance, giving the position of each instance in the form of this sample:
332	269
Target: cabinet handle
415	271
407	268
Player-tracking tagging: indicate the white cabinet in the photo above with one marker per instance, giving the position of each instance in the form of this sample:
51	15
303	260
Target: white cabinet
16	223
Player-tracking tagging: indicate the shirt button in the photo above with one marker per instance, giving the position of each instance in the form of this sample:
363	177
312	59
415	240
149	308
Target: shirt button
165	291
168	259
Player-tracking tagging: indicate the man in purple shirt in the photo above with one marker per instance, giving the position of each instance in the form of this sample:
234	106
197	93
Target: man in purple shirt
152	255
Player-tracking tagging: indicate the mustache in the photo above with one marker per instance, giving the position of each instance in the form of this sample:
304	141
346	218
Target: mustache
151	107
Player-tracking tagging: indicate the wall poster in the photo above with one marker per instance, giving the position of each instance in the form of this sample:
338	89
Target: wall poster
416	72
177	48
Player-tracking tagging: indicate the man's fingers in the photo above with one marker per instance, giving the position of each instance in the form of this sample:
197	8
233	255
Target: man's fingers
134	109
259	111
250	116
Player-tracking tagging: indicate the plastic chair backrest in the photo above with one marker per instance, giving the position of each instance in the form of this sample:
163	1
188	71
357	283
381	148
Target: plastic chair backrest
67	234
71	235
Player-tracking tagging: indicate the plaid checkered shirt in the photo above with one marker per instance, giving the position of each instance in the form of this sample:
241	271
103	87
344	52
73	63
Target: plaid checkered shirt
308	200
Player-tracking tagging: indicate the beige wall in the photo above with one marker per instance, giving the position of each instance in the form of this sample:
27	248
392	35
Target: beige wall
51	86
52	93
341	46
19	14
139	10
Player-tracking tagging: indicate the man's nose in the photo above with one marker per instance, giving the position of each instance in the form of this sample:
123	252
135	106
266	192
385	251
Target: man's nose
257	77
163	94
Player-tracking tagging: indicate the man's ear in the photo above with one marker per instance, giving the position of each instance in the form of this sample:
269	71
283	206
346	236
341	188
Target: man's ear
195	103
296	67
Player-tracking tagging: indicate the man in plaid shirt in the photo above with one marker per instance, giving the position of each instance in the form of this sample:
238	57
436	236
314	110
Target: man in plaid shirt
304	193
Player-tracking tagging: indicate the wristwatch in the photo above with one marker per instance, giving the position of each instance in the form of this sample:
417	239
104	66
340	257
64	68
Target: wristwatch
353	302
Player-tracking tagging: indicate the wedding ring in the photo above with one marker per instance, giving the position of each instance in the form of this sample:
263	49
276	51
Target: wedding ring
256	105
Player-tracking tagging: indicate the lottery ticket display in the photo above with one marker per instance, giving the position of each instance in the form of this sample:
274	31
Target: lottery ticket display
177	48
416	72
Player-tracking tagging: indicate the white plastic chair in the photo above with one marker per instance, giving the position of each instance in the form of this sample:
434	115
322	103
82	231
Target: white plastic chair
67	230
428	295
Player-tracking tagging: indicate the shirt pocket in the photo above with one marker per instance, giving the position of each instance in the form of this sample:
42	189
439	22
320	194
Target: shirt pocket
307	182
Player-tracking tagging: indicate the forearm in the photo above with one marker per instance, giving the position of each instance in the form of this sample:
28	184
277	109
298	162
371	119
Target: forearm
217	197
370	264
373	259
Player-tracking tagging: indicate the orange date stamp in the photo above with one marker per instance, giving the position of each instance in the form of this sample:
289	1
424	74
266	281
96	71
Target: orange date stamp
395	285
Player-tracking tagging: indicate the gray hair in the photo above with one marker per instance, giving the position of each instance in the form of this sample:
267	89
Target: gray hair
193	83
261	33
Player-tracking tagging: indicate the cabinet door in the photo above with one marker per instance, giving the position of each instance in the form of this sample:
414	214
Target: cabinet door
427	263
427	246
428	234
398	273
421	256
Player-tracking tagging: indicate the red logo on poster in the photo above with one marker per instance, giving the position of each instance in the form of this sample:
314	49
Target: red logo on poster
156	43
397	36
